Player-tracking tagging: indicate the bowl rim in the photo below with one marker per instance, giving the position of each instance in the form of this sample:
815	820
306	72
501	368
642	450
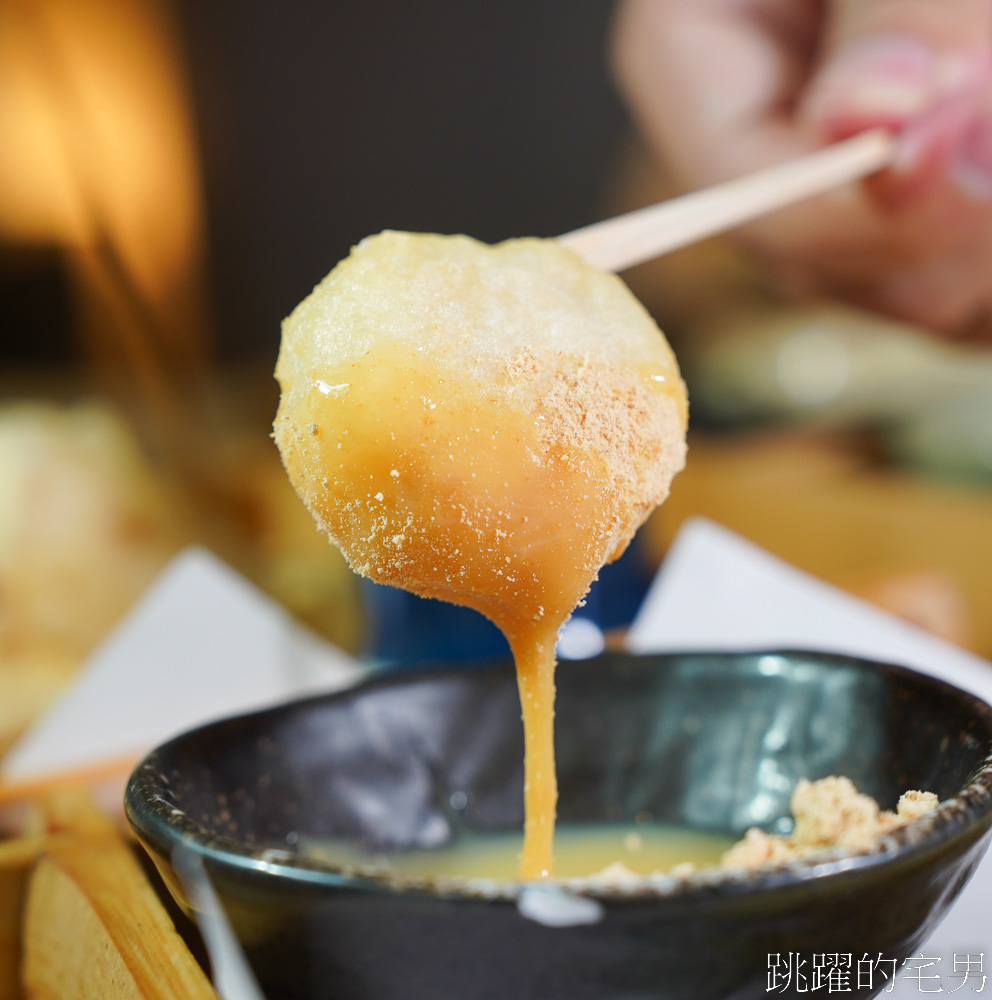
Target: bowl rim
162	826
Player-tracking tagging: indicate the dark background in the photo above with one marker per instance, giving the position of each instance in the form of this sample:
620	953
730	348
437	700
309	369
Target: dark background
320	123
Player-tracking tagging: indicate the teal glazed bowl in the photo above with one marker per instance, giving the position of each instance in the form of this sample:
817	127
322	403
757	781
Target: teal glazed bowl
713	742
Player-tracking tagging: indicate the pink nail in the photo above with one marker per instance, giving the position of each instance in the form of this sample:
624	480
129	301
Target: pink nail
971	167
876	81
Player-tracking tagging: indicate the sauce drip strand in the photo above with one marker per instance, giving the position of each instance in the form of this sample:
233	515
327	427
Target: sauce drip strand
484	425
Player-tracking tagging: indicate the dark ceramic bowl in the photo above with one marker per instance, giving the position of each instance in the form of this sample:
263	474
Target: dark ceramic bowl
712	742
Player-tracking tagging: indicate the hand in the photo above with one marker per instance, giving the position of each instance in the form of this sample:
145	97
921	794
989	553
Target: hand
723	87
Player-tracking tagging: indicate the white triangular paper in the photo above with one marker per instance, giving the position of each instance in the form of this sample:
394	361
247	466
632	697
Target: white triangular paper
718	591
201	643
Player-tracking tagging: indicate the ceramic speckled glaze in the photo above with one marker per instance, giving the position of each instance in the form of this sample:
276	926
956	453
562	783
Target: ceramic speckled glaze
715	742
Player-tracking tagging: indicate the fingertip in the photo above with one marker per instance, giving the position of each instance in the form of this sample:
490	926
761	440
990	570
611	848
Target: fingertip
872	81
934	151
971	163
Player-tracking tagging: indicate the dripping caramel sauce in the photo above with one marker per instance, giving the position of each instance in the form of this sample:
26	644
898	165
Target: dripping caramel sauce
434	481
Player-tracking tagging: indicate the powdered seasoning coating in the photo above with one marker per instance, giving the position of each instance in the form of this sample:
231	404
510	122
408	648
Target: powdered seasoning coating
493	424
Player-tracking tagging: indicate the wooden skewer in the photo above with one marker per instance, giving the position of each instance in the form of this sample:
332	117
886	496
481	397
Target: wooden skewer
622	242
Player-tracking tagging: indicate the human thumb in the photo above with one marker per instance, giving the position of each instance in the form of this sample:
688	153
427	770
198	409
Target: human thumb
888	62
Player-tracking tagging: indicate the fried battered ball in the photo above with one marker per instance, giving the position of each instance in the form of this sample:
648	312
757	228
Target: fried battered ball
484	424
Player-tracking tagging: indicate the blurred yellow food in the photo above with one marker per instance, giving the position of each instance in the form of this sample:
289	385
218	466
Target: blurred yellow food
88	519
257	523
919	549
84	527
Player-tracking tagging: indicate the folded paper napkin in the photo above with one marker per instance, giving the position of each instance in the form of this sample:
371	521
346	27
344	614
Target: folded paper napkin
201	643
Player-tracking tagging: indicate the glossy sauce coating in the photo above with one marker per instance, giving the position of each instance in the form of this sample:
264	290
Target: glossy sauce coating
503	486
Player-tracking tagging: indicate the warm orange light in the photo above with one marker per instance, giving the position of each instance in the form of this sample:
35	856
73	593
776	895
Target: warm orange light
95	135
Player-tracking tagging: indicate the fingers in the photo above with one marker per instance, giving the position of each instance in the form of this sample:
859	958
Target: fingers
713	86
887	62
923	67
971	167
723	87
708	81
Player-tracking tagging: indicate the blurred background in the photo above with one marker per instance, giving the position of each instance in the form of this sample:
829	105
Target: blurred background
176	176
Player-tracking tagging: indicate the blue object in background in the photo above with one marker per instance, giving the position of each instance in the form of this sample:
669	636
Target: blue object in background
405	630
